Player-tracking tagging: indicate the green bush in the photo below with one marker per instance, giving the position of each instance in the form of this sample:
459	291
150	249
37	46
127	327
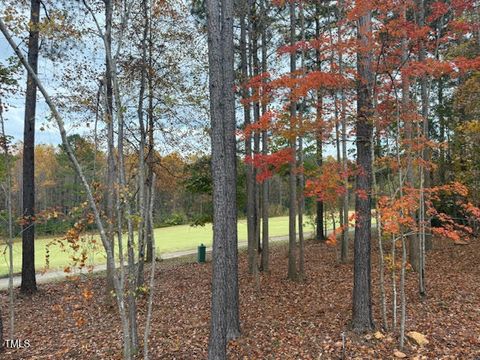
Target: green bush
174	219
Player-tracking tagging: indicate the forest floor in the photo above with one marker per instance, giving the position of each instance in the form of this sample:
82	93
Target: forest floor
280	319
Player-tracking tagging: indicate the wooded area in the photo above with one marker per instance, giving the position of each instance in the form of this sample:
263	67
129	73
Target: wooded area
359	119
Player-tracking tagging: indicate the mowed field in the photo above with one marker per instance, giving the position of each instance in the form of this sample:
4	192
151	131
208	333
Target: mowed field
167	240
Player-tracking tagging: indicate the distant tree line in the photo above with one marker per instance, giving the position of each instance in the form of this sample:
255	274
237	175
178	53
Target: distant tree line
183	187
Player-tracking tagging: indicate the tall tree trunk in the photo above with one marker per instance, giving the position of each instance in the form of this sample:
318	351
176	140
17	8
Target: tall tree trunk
343	119
301	178
124	210
320	235
8	206
399	114
408	123
250	185
343	253
142	198
339	156
29	282
337	128
111	181
256	119
319	208
150	156
403	306
265	184
224	312
442	170
124	207
346	204
292	234
425	233
381	260
362	292
233	313
148	320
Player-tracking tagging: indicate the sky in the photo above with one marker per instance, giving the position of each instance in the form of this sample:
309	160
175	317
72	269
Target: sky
14	116
88	51
46	130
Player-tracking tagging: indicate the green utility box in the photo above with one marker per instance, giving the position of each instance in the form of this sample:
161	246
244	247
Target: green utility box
202	253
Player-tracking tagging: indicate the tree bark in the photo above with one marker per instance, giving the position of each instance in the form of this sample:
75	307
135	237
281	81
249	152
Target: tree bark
256	118
224	311
442	169
111	182
339	156
320	234
233	314
148	320
143	201
343	119
301	178
381	260
150	155
425	233
29	282
8	206
362	320
250	185
413	239
292	235
265	184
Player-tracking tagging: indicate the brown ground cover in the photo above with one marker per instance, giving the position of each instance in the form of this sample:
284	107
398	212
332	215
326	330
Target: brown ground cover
280	319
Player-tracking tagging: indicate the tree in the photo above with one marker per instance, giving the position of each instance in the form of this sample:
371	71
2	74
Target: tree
343	120
224	311
362	292
265	185
8	86
142	185
292	177
29	282
118	283
5	176
111	164
250	183
320	235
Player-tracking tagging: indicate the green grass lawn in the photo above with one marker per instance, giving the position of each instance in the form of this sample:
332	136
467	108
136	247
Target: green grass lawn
167	239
